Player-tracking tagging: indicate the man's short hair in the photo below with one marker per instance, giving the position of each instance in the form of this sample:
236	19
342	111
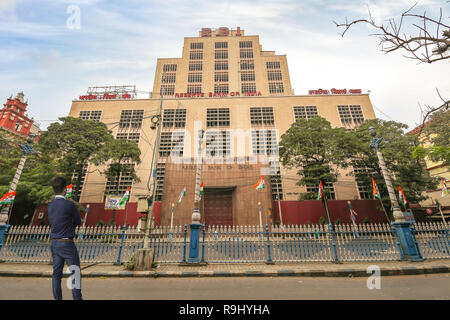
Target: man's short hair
59	185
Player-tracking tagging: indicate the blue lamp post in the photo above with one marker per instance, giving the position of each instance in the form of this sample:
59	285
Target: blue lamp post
404	229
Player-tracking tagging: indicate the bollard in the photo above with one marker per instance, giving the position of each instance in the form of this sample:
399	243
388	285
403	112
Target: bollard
203	246
121	245
269	258
336	260
184	250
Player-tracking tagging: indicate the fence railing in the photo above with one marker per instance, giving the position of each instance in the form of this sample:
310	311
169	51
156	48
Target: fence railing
236	244
433	239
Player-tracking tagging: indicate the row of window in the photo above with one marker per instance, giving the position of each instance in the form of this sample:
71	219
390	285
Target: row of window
350	115
220	45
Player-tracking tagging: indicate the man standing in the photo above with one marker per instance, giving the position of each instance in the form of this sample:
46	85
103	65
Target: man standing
64	217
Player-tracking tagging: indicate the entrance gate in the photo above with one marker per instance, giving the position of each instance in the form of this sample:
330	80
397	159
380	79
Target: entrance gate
218	206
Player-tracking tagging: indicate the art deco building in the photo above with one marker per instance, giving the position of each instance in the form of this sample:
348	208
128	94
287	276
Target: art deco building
241	95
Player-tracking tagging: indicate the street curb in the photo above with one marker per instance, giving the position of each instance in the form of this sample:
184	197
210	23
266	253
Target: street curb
351	272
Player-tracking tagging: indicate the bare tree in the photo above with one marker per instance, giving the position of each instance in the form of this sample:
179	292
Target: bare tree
430	43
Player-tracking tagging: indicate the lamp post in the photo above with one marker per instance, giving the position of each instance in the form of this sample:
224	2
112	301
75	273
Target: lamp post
27	149
398	214
404	229
86	215
195	224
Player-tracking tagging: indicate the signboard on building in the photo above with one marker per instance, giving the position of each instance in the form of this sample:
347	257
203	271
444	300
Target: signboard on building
216	94
335	91
112	202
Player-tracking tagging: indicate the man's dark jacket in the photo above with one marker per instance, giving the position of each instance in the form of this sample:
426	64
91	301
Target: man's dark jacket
64	217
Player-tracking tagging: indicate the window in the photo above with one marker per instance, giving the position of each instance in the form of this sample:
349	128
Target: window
160	174
171	144
247	65
245	44
91	115
261	116
195	66
264	142
363	182
276	87
248	87
119	186
76	196
328	190
168	78
130	136
221	45
217	143
275	181
131	118
221	54
274	76
18	126
273	65
248	76
197	45
167	89
246	54
221	66
196	55
169	67
306	112
350	115
191	88
221	88
174	118
194	77
221	76
218	117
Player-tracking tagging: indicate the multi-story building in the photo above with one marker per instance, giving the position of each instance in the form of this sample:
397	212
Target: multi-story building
14	120
241	95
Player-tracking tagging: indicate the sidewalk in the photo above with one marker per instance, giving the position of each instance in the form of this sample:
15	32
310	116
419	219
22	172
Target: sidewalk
328	269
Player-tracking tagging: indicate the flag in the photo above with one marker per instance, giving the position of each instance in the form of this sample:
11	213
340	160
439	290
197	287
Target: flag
444	188
182	194
260	184
402	197
376	192
69	191
320	192
8	198
201	189
125	197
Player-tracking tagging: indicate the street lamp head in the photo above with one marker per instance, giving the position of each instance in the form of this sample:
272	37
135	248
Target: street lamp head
372	131
31	137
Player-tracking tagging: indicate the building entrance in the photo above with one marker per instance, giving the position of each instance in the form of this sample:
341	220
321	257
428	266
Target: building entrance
218	206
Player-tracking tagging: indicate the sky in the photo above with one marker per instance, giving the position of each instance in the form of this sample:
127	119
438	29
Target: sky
53	57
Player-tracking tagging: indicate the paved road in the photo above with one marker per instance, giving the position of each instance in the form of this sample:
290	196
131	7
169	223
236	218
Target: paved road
436	286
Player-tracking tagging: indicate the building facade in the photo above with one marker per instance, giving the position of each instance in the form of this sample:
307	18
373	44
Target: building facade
14	120
241	96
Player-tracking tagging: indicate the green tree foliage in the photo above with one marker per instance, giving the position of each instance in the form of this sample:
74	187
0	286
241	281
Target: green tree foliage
437	135
317	150
397	149
73	143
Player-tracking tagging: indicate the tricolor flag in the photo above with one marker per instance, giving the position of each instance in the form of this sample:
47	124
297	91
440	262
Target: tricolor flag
69	191
320	192
376	192
402	197
125	197
182	194
444	188
201	189
8	198
260	184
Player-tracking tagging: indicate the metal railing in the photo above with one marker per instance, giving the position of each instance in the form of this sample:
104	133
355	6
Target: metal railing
233	244
433	239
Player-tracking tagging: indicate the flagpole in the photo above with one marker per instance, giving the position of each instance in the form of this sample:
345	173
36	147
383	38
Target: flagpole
384	209
126	214
442	215
352	217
